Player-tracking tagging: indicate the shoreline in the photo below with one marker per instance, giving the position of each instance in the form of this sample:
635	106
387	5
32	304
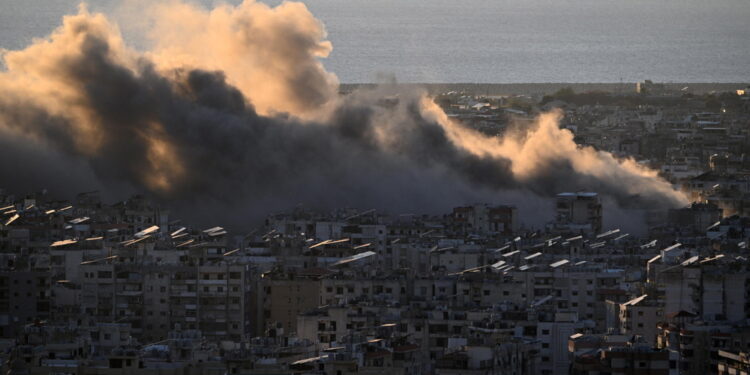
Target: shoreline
545	88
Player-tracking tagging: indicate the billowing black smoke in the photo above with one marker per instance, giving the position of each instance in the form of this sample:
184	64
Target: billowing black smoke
80	111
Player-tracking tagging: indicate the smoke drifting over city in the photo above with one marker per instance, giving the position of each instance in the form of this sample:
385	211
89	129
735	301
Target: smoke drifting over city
231	114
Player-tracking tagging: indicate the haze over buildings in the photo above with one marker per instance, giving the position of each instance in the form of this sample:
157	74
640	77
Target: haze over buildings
199	115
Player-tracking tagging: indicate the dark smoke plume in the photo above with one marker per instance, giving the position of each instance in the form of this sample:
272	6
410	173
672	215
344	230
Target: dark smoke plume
240	119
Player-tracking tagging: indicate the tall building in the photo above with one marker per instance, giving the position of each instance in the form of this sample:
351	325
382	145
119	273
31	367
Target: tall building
578	213
485	219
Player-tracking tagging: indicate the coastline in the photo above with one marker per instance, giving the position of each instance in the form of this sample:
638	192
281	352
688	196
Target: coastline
499	89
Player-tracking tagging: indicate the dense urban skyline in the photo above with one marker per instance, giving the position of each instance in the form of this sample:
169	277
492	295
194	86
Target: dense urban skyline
188	188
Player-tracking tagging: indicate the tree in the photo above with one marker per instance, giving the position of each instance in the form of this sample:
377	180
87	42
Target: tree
564	93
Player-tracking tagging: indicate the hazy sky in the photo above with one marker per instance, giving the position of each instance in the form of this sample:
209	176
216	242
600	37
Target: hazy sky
499	40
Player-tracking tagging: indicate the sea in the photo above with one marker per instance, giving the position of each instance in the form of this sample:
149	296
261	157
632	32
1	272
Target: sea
496	41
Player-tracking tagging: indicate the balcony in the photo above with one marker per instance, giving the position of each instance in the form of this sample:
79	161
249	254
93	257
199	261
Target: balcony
212	282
